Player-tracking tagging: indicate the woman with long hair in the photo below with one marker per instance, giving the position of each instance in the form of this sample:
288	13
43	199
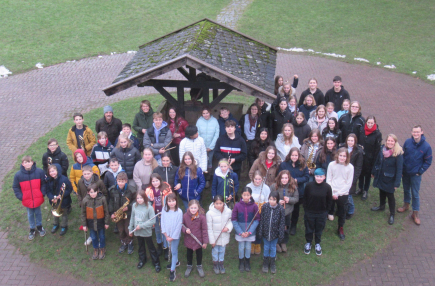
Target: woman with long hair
261	142
267	164
309	105
310	150
326	154
177	125
301	127
249	124
279	117
352	122
319	120
286	140
332	130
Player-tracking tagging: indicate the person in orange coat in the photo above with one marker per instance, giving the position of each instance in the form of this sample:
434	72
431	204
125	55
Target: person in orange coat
77	169
80	131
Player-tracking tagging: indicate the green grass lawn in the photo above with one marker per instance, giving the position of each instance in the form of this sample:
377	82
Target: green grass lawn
391	32
51	31
366	233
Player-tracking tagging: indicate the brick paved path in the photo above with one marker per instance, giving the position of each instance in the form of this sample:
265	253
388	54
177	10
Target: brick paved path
37	101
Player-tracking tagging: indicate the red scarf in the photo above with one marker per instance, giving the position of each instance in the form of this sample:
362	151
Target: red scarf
268	165
371	130
252	121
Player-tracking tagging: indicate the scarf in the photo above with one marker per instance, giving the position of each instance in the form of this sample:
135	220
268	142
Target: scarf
319	121
195	216
252	121
87	183
371	130
387	152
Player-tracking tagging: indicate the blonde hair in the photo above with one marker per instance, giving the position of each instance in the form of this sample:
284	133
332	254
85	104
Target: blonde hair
312	97
397	149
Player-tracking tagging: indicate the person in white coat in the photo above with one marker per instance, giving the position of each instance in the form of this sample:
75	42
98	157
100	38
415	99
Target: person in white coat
195	144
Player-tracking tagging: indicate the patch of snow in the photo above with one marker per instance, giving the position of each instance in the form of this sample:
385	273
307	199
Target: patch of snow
39	65
431	77
131	52
390	66
4	72
361	60
73	61
100	57
334	55
113	53
378	63
414	72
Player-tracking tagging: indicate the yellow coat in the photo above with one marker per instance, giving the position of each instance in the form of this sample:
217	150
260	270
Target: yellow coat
88	136
76	173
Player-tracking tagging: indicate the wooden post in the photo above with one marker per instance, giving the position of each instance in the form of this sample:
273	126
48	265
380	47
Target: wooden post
205	96
180	99
215	93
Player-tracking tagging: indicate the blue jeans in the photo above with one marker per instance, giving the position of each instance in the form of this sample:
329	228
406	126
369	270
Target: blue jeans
174	252
350	205
270	247
411	187
218	253
159	236
185	204
210	159
244	249
98	238
35	217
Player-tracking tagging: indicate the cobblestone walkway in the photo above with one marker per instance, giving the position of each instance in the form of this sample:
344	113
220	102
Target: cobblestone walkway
33	103
230	15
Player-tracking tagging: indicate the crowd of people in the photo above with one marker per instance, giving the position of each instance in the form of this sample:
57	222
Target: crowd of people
318	152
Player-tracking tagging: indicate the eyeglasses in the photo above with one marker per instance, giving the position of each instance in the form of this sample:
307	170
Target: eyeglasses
55	145
355	106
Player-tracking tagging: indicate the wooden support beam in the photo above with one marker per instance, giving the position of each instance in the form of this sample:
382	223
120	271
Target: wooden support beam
192	72
220	97
186	84
215	93
184	73
180	99
205	96
167	95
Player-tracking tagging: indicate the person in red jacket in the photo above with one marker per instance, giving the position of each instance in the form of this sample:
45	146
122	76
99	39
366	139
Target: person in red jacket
177	125
29	188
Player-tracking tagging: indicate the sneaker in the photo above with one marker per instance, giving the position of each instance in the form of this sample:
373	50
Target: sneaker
170	264
341	233
88	241
41	231
130	248
349	216
307	248
172	276
122	248
63	231
32	234
200	271
330	217
292	229
115	229
54	229
188	271
318	249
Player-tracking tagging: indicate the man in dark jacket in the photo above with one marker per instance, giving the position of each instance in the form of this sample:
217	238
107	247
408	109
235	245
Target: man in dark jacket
55	156
337	94
224	116
417	159
231	146
111	125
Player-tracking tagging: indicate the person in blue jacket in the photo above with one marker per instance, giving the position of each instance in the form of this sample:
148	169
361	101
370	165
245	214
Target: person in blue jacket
417	159
189	180
221	183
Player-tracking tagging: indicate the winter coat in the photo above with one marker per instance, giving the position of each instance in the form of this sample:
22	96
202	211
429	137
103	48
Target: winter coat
94	213
198	149
281	94
119	197
76	171
82	190
220	185
307	110
110	177
164	138
277	120
336	97
318	97
349	124
216	221
57	157
150	194
54	186
260	165
302	176
305	151
142	173
324	165
208	130
101	154
281	147
417	157
167	174
356	159
337	136
112	129
127	157
29	186
88	137
222	121
253	152
259	124
242	215
140	215
302	131
371	144
341	113
132	138
260	194
293	198
236	147
141	121
198	227
314	124
179	128
272	223
387	172
191	188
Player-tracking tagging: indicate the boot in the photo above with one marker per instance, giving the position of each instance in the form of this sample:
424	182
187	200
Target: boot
242	265
404	208
265	265
155	259
283	247
142	259
272	265
122	248
216	267
95	256
221	267
55	228
115	229
358	191
63	231
102	253
252	248
166	253
341	233
379	208
200	271
188	270
247	265
278	248
364	196
293	229
391	219
415	217
130	248
159	248
257	248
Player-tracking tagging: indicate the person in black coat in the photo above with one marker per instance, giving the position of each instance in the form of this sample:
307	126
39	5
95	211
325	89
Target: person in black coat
167	170
309	105
278	118
301	128
55	156
249	123
127	156
387	173
371	141
352	122
332	130
327	154
111	125
314	91
261	142
337	94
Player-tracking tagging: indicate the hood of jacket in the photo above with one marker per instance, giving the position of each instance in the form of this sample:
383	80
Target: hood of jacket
32	169
422	140
215	210
303	123
59	173
164	124
219	173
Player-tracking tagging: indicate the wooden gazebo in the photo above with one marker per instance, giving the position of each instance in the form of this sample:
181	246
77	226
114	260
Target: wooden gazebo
227	60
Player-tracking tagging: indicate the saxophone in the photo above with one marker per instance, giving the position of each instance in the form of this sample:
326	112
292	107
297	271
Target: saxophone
82	143
310	163
120	214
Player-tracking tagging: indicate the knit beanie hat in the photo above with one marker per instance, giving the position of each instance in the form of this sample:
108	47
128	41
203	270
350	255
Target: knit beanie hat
108	108
319	172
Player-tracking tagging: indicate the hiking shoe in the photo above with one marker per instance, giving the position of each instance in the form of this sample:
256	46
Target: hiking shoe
307	248
318	249
32	234
341	233
278	248
122	248
88	241
364	195
283	247
172	276
95	255
200	271
130	248
221	267
54	229
41	231
293	230
188	271
115	229
63	231
102	253
170	264
216	267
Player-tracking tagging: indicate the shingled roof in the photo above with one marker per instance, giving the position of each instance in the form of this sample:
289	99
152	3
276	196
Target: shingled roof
225	50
